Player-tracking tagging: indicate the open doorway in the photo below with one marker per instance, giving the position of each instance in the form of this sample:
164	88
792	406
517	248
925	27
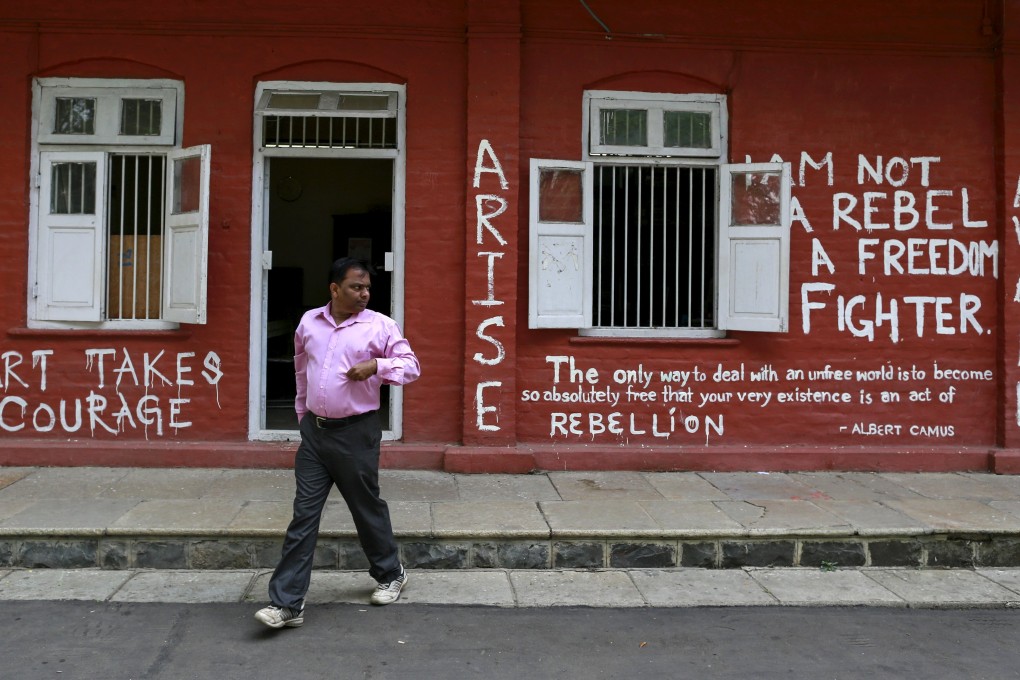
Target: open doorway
318	210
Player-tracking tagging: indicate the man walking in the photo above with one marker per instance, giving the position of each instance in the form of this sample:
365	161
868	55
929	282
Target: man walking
343	353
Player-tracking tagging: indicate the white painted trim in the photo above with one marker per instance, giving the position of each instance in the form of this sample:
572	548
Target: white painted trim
715	105
165	89
35	180
34	186
636	333
328	103
713	161
260	235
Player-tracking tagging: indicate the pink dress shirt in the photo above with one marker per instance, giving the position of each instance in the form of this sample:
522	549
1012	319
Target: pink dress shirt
324	351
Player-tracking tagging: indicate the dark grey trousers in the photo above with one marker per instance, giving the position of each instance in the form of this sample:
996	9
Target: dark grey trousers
349	458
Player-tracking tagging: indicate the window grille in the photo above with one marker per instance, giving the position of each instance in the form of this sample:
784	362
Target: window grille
74	116
654	254
74	189
141	117
329	132
137	189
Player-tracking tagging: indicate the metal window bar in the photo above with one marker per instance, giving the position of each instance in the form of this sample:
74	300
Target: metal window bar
161	210
638	261
120	263
705	245
690	251
626	243
334	133
654	246
137	195
612	280
676	255
134	243
665	251
119	313
148	234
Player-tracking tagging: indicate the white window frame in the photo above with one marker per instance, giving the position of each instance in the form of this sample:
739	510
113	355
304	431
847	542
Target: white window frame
108	103
329	103
748	296
262	257
88	311
656	105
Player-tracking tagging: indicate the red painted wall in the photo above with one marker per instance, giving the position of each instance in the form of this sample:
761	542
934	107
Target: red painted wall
782	102
220	59
867	82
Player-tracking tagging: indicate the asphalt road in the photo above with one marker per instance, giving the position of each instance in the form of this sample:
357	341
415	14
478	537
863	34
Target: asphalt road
70	640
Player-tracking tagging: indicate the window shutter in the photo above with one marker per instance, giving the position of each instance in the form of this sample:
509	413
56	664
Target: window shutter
560	245
754	247
72	231
186	247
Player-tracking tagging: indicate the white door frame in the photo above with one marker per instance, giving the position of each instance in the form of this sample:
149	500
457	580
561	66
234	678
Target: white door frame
260	241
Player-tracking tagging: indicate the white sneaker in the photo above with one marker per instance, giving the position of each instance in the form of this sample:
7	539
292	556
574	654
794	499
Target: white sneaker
281	617
388	593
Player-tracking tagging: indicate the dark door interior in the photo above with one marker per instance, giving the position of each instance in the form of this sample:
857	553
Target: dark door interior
320	210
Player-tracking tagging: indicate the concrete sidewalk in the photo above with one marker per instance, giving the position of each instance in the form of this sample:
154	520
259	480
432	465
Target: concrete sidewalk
749	587
123	519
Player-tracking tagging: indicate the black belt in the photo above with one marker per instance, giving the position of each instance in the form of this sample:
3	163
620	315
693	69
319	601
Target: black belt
334	423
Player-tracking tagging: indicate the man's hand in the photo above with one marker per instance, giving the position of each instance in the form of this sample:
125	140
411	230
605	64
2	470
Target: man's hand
363	370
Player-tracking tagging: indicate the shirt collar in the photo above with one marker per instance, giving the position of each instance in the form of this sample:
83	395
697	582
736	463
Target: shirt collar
359	317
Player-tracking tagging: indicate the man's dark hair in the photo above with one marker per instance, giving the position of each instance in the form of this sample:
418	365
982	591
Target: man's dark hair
340	268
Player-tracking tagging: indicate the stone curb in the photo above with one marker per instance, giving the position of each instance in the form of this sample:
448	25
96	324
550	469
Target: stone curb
106	549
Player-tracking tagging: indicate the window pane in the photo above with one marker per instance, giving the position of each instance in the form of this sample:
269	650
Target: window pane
624	127
687	129
560	196
73	187
141	116
756	198
75	116
187	184
363	102
293	101
135	228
